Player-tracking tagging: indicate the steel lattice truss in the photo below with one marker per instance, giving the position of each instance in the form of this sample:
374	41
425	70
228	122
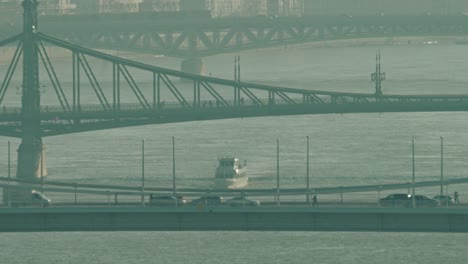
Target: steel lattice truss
174	96
198	38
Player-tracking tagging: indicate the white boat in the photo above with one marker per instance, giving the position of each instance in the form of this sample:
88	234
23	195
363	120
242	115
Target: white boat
231	174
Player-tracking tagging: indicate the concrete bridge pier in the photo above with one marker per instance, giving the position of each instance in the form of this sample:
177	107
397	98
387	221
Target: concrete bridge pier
31	159
193	66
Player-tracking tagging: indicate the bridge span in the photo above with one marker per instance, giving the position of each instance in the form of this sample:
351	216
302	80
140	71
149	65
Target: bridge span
193	97
187	38
196	97
193	39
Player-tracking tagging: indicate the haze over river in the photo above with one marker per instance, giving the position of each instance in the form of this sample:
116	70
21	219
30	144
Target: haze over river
349	149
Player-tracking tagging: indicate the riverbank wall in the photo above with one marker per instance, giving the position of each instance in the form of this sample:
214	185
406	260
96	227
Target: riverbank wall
233	219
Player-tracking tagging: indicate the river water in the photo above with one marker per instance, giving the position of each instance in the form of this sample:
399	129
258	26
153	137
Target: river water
348	149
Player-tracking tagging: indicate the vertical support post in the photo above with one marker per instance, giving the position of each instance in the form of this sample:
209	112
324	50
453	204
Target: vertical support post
9	176
118	87
114	88
236	85
78	82
154	91
173	167
198	94
413	201
158	91
42	180
76	188
277	174
9	161
195	94
378	196
143	172
341	194
308	181
442	166
74	79
238	69
235	68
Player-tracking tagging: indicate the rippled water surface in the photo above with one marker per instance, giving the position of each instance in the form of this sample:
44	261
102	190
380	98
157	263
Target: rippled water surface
232	247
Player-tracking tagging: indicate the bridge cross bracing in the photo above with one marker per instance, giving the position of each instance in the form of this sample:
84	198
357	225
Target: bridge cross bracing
171	96
199	37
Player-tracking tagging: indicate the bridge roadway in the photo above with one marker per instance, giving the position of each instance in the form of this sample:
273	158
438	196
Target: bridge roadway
288	216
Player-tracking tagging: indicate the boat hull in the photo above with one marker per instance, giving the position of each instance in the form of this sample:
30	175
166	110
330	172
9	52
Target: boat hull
231	183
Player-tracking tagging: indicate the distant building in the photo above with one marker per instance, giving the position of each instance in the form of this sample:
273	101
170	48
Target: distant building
253	8
225	8
9	9
160	6
56	7
285	7
193	5
385	7
107	6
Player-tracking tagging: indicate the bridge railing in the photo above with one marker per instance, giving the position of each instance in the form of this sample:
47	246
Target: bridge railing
342	196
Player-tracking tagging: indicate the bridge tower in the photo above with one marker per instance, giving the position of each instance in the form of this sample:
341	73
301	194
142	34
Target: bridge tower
378	76
31	150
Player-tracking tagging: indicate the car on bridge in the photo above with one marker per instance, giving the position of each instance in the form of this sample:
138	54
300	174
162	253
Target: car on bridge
20	197
406	200
208	200
444	199
242	201
167	200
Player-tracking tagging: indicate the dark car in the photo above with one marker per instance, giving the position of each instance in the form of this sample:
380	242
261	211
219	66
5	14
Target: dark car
167	200
208	200
396	200
444	199
406	200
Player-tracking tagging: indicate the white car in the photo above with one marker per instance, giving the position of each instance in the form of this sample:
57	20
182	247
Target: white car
40	199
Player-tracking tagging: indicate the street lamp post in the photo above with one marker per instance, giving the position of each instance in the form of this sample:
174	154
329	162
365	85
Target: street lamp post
277	174
413	201
441	166
173	167
9	163
143	172
308	182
